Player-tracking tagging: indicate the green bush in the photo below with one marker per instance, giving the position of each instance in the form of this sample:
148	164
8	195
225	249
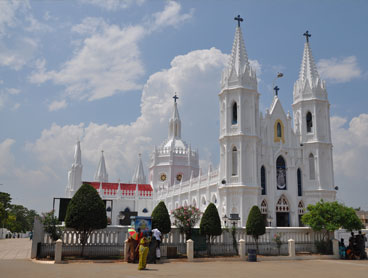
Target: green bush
86	212
161	219
255	224
210	224
50	225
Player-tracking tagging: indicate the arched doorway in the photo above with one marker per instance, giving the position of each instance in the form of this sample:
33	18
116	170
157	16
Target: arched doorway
282	212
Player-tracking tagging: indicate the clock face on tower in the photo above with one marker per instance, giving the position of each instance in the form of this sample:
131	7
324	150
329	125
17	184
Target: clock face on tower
163	177
179	177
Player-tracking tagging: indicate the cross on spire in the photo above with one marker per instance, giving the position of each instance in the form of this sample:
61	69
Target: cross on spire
307	35
239	19
276	90
175	97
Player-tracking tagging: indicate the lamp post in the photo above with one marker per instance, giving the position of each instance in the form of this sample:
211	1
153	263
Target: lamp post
234	218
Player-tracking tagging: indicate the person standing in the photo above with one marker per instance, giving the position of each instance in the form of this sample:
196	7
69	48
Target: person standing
157	235
143	251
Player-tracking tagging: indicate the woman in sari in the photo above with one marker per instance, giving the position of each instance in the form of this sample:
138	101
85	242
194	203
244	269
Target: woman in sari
143	251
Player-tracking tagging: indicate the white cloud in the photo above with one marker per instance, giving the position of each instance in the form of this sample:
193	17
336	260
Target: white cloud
90	25
8	13
113	5
107	63
193	76
351	157
170	16
5	95
33	25
6	157
339	70
57	105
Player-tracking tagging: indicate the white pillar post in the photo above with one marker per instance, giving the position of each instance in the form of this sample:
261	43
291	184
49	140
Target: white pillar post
335	248
190	250
242	249
58	251
291	245
126	250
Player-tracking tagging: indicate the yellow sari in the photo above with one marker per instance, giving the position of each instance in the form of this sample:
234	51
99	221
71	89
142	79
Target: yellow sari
143	252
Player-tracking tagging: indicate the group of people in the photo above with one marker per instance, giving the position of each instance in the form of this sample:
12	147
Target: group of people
355	249
144	248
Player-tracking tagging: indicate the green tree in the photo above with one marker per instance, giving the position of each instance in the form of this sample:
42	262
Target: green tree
51	225
210	225
330	216
161	219
86	212
5	200
255	224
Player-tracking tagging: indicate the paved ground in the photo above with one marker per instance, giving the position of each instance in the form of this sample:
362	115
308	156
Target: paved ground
15	248
233	269
15	262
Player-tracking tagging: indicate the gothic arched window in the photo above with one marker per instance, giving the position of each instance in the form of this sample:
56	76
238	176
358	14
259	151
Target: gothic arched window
264	207
299	177
281	173
234	120
263	180
235	161
312	171
279	132
309	122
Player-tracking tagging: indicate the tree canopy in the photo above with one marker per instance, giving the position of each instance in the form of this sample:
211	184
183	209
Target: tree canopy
210	223
86	212
255	224
161	219
330	216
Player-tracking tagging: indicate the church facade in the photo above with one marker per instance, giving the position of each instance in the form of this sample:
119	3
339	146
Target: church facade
277	161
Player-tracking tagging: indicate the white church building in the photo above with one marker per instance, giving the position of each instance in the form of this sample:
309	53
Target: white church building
281	163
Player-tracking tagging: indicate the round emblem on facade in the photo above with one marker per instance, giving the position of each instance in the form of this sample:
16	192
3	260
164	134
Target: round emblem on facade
179	177
163	177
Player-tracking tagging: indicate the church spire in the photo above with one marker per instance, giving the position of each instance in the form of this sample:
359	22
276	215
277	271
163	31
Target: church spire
101	173
309	82
174	122
139	177
77	154
238	71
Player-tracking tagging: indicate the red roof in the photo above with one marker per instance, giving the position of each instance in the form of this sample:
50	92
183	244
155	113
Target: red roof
123	186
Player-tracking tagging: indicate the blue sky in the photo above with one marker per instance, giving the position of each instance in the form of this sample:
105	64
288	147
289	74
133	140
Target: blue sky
105	72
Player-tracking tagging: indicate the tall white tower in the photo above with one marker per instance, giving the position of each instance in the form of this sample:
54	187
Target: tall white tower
174	161
139	177
239	135
312	124
75	173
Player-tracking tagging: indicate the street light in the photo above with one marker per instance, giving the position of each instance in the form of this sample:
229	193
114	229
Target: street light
225	218
234	218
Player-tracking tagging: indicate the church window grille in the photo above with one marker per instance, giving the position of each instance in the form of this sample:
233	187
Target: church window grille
282	205
235	161
299	177
312	174
214	199
281	173
309	122
279	132
263	180
264	207
127	209
234	120
194	203
203	201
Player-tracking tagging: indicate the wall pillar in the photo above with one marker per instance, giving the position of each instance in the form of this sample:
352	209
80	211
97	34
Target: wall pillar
242	249
190	250
58	251
335	248
38	236
291	245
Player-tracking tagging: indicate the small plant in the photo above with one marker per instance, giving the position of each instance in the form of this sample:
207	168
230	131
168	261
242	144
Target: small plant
50	225
277	240
186	218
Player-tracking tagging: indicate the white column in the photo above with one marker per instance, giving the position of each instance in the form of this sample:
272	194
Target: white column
190	250
291	245
58	251
242	249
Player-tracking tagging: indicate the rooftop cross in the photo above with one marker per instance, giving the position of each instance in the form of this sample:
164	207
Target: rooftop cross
175	97
276	90
239	19
307	35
